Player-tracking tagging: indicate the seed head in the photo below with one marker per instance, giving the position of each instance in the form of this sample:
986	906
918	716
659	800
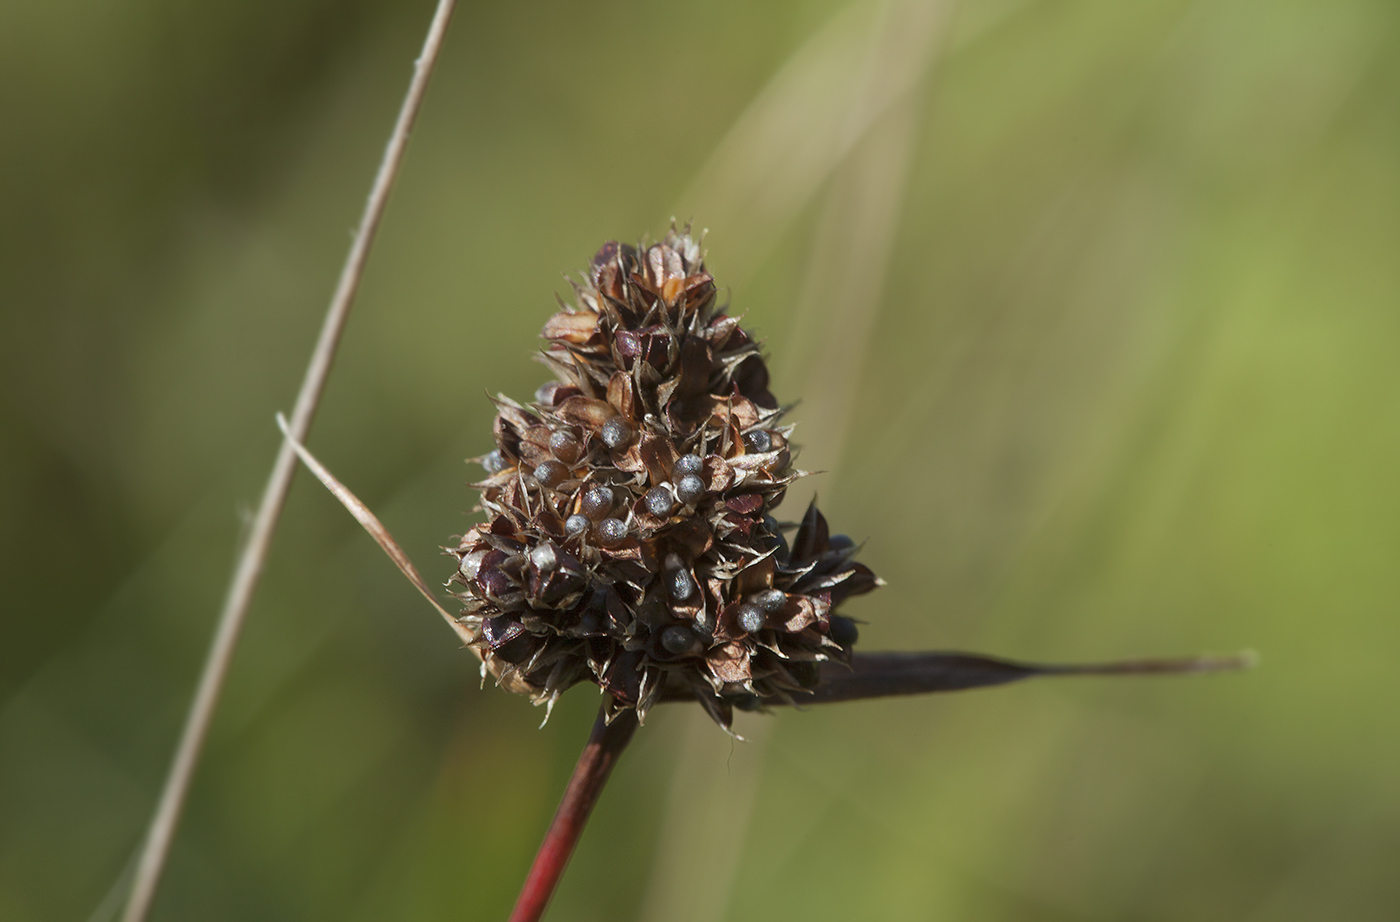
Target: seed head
629	538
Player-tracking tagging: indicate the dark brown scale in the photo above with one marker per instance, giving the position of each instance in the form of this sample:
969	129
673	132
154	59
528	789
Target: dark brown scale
507	639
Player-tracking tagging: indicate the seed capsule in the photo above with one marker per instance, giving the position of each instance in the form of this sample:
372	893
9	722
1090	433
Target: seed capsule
565	447
471	564
687	464
770	600
494	583
551	473
840	543
544	557
659	501
597	501
677	638
758	441
751	618
611	532
690	488
616	432
576	524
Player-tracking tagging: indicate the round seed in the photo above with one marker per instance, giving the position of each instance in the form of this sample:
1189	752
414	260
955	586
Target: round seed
551	473
840	543
690	489
616	432
687	464
597	501
844	630
495	462
682	586
759	441
770	600
677	638
751	618
565	447
576	524
659	501
611	532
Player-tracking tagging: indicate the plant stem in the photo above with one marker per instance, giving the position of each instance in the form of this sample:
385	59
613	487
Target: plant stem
156	847
595	764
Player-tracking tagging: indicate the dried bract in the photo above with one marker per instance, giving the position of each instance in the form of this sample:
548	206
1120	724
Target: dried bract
629	539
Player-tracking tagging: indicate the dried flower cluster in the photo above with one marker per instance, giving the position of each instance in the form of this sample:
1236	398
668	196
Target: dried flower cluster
629	539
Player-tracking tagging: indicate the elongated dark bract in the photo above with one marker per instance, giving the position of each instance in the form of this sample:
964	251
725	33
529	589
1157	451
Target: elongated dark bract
629	538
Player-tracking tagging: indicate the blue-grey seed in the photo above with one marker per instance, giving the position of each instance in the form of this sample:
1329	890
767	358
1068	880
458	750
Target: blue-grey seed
770	600
677	638
611	532
690	489
682	586
495	462
616	432
659	501
597	501
751	618
576	524
551	473
687	464
758	441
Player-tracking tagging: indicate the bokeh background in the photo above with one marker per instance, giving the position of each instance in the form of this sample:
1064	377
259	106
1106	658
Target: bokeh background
1093	311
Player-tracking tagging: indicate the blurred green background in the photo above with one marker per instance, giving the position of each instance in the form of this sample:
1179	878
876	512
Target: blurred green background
1093	310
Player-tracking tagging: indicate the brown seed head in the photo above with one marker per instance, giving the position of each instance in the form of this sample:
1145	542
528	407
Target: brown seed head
629	540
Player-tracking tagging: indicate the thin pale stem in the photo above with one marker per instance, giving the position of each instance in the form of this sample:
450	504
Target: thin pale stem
594	766
156	847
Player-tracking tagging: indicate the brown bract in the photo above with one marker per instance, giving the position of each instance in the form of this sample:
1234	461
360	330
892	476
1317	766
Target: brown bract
663	399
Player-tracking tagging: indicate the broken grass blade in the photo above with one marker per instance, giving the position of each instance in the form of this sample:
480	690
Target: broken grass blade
371	524
879	675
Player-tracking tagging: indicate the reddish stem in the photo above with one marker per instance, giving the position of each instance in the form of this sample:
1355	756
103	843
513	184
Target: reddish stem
595	764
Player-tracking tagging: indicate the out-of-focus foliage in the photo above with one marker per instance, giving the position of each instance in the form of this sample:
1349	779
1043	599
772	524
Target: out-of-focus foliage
1092	308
